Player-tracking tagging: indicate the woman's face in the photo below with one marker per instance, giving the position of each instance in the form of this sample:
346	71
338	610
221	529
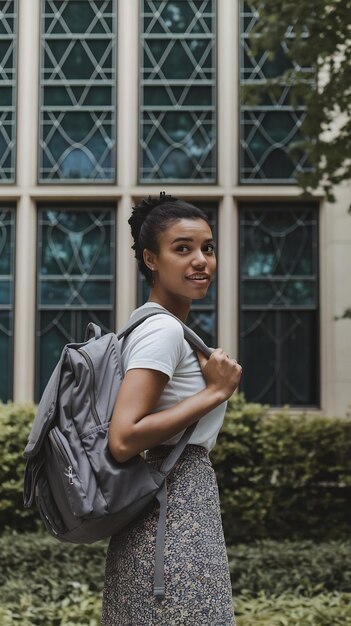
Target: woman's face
186	261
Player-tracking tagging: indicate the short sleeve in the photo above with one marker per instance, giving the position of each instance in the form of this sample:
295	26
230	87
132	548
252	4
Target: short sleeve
157	343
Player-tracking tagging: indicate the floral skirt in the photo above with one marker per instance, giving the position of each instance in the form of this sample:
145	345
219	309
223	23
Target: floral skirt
197	581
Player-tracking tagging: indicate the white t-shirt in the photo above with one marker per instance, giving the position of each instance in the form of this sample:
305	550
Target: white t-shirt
158	343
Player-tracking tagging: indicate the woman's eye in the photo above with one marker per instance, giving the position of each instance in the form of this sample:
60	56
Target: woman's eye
182	248
210	248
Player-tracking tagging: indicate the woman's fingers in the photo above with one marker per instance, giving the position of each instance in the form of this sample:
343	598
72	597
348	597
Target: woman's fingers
201	358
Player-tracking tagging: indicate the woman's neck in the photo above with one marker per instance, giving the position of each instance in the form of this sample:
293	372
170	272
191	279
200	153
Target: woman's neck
178	308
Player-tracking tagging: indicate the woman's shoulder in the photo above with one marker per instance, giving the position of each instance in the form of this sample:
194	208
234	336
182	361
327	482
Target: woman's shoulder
158	329
158	340
160	322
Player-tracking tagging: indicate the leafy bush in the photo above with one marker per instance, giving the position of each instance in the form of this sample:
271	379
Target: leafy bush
287	610
278	567
47	583
15	424
267	566
80	607
56	565
280	475
283	475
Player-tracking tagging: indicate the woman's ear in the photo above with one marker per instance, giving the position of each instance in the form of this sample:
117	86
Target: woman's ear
149	259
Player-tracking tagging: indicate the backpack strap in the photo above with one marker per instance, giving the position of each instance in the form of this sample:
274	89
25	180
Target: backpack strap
168	464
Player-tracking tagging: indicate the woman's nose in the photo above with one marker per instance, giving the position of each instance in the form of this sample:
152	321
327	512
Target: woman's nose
199	259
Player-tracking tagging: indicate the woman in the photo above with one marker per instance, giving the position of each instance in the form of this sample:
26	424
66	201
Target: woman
174	247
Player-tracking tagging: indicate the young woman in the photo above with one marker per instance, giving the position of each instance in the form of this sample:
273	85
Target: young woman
167	387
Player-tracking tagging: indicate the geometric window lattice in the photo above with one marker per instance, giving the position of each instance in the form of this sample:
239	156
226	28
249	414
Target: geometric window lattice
279	346
8	71
268	129
78	91
7	250
75	280
178	91
202	316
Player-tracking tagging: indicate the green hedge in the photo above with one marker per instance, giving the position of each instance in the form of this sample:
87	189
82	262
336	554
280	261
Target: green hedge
15	423
266	566
330	609
280	475
82	608
47	583
283	475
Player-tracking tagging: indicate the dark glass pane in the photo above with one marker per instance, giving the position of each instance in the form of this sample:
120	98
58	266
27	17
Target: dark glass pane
279	293
178	92
278	243
177	154
278	339
257	356
75	293
269	128
79	154
279	357
76	279
8	70
5	353
7	259
5	291
76	243
178	17
78	72
5	96
77	17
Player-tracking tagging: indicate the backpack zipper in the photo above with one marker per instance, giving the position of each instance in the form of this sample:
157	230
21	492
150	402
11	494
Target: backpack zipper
91	388
69	469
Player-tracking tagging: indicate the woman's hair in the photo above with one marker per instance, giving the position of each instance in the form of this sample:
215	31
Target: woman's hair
153	216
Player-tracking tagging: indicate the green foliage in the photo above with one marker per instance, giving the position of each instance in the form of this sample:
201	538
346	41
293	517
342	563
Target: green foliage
15	423
56	565
282	475
47	583
279	567
266	566
316	34
80	607
287	610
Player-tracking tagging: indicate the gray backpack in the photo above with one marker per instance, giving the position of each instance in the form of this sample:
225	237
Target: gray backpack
82	493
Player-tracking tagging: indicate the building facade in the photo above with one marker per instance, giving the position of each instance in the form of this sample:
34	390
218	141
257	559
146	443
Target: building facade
104	102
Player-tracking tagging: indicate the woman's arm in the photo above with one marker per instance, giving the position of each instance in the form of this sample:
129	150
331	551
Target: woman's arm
136	427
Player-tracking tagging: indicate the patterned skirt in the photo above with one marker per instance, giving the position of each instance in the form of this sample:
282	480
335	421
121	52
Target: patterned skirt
197	581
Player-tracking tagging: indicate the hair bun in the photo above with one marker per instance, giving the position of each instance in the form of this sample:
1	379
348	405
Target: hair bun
141	211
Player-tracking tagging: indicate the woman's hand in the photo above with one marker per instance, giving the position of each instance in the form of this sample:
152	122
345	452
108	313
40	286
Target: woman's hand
221	373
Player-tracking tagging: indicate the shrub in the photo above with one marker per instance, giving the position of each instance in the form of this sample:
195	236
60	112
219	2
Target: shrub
283	475
15	423
267	566
82	608
300	567
280	475
288	610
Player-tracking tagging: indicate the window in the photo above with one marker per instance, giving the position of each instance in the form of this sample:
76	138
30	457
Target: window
178	91
269	128
8	71
279	304
203	313
7	247
76	279
78	85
